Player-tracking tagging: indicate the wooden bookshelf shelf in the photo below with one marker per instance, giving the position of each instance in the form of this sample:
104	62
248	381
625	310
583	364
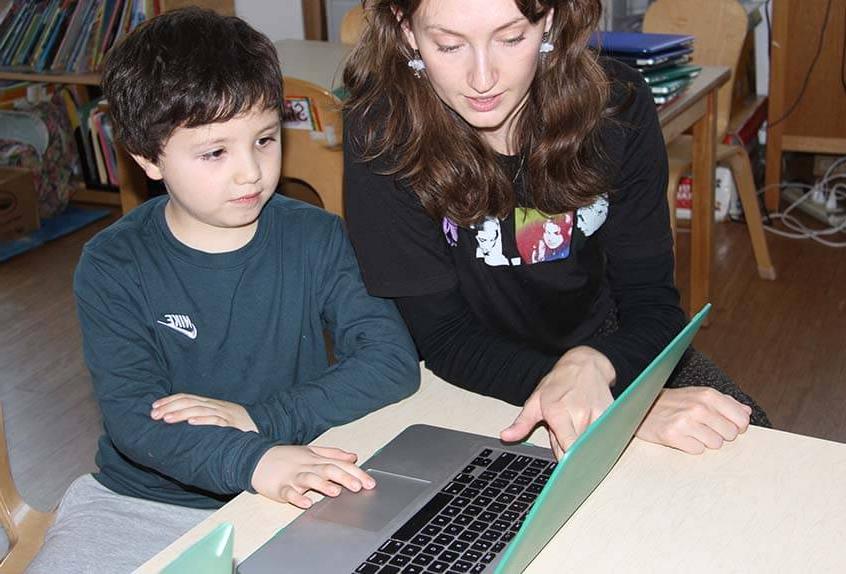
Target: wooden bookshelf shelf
86	195
92	79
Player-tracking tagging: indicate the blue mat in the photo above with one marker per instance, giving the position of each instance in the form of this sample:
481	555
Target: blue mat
70	220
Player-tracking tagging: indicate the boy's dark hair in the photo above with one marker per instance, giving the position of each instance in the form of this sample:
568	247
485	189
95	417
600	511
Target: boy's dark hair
187	68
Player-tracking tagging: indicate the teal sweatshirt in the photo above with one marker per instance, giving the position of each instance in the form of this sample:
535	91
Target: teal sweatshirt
247	326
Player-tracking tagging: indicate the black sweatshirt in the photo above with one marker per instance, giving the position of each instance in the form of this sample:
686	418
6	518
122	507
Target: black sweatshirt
247	327
492	308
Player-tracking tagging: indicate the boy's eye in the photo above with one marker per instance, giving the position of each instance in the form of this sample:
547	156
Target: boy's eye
267	140
214	154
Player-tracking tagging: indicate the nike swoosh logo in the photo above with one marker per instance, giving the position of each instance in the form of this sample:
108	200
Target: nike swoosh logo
180	324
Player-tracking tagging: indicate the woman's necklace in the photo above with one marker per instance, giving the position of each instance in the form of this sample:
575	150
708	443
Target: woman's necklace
519	168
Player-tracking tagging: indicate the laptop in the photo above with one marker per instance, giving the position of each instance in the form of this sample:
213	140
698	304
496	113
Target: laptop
211	554
449	501
637	43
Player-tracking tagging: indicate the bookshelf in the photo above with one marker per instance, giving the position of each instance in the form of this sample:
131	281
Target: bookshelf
131	181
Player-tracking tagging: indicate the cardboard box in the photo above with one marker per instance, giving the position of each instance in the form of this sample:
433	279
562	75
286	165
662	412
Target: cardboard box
18	203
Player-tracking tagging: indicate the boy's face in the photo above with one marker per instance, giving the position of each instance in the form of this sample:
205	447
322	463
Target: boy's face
219	176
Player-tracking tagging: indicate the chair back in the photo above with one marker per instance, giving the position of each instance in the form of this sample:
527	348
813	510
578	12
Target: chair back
352	25
719	27
24	526
314	156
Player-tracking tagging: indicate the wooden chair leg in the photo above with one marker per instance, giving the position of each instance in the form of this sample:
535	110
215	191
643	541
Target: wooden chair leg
742	170
675	174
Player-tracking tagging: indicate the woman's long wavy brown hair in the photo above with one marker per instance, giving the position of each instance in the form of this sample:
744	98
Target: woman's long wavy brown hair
444	160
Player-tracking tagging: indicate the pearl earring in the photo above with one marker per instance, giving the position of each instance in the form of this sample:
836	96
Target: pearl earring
546	46
417	64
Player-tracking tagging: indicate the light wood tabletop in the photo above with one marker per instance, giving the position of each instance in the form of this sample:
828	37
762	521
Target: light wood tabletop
768	502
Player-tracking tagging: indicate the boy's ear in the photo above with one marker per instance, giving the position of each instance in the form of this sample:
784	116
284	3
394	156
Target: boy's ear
151	169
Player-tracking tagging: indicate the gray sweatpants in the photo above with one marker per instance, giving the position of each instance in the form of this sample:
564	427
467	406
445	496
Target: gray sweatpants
97	530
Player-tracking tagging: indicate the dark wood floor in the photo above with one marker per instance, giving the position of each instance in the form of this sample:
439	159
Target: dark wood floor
782	341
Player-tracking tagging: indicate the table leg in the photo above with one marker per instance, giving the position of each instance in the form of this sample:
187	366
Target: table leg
702	216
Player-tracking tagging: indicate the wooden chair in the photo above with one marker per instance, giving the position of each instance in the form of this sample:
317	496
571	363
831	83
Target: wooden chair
720	28
24	525
352	25
315	157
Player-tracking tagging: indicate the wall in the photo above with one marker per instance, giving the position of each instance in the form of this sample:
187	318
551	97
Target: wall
277	19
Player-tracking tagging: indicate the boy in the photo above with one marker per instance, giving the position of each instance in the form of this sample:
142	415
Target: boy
203	311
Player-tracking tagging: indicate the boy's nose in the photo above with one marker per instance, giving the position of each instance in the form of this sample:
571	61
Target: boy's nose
249	171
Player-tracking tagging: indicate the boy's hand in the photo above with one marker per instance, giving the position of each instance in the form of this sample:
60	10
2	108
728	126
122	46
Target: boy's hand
285	473
692	419
197	410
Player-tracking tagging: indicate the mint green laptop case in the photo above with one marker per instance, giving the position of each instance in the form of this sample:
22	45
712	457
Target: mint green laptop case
593	455
211	554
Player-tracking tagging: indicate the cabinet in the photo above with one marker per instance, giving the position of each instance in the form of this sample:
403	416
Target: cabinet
807	110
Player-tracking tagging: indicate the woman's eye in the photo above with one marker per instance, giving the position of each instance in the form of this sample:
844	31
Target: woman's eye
448	49
214	154
514	41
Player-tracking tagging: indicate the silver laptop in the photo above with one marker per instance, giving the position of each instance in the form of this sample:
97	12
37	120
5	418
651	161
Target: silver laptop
455	502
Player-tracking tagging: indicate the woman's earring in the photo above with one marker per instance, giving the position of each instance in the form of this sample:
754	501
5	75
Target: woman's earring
417	64
546	46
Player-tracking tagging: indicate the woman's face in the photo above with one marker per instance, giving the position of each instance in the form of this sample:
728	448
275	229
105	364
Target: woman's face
481	57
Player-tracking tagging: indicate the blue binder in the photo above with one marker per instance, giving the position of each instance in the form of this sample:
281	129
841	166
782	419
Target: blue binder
638	44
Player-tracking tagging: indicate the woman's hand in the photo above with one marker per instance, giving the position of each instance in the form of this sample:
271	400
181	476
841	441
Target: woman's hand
570	397
692	419
197	410
286	473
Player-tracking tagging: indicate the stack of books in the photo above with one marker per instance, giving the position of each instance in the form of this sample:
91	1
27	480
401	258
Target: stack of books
65	36
95	141
663	59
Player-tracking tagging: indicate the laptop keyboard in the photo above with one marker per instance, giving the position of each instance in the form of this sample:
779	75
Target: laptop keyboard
466	525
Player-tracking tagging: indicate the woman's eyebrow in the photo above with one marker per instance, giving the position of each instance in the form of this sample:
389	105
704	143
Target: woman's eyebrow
437	28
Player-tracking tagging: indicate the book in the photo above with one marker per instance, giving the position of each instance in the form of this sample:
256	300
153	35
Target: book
668	88
670	73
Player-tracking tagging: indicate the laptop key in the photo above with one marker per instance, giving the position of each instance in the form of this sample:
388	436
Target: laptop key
389	570
459	546
412	569
433	549
534	488
473	510
468	536
519	463
480	483
478	569
453	529
463	478
491	535
498	547
444	539
499	483
437	567
462	566
422	516
488	557
502	462
469	469
378	558
470	492
488	517
421	540
510	515
451	511
400	560
440	520
506	537
512	489
486	453
487	475
462	519
471	556
481	546
453	488
507	475
497	507
430	530
423	559
367	569
411	549
523	480
391	547
481	461
482	500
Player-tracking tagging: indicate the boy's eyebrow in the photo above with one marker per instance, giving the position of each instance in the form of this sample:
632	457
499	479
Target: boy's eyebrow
437	28
214	141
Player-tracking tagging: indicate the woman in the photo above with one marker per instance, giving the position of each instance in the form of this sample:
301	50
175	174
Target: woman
476	127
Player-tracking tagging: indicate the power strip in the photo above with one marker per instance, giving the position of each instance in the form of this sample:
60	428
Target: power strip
815	210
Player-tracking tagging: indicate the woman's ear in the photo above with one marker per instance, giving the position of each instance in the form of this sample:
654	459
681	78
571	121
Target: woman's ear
405	25
547	25
150	168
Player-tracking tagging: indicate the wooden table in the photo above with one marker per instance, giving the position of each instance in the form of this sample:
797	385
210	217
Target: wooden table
768	502
697	109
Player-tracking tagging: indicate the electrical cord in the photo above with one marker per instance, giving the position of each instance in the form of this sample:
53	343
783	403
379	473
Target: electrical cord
832	183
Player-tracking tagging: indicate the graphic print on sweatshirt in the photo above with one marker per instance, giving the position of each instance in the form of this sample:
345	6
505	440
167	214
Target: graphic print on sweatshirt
180	323
541	237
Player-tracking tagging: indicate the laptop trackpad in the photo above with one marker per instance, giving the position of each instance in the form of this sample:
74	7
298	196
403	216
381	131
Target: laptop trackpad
372	509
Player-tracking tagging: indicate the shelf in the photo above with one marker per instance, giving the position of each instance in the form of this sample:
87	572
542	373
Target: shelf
89	79
86	195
